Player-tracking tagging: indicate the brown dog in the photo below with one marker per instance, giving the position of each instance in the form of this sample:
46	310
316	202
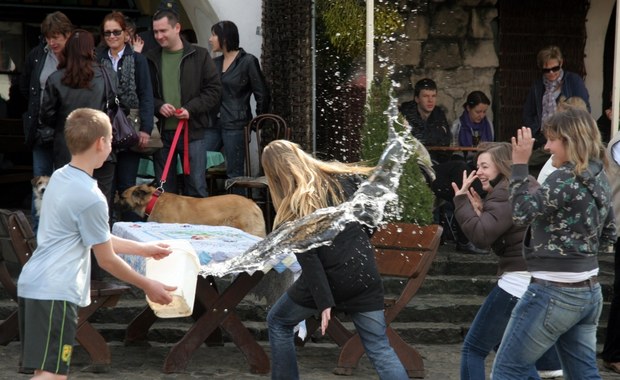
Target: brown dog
220	210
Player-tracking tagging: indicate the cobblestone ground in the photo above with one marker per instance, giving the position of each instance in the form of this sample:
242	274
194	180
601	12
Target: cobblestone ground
316	362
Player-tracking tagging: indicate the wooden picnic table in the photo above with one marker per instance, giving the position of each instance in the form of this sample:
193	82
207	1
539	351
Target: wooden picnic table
213	308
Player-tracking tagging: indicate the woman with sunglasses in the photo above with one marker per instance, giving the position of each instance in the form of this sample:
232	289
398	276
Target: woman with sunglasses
542	101
134	93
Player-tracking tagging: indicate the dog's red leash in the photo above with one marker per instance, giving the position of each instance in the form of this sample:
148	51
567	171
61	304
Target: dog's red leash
182	126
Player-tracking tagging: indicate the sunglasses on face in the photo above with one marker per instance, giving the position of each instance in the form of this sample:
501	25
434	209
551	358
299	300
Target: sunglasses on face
553	69
108	33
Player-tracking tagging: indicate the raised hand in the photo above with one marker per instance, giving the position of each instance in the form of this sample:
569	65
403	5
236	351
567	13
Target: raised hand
522	146
467	182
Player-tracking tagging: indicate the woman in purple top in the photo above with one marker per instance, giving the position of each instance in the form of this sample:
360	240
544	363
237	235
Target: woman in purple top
473	126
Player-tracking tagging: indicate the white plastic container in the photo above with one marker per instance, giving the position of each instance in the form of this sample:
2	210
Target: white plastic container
179	269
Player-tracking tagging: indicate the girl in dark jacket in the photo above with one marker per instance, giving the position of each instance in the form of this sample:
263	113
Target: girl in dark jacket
78	83
134	92
488	223
241	78
342	276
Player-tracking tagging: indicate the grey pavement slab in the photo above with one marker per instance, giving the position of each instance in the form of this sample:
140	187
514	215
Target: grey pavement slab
316	362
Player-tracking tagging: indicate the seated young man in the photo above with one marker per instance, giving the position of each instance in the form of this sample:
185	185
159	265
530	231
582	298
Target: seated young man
429	125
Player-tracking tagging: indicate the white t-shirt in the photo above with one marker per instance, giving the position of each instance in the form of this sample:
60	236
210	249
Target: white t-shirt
547	169
74	217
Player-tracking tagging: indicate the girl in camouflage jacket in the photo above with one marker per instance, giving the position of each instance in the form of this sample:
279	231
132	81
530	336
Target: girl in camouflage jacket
570	220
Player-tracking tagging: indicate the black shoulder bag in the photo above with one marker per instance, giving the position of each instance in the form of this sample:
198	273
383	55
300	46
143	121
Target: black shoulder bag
124	136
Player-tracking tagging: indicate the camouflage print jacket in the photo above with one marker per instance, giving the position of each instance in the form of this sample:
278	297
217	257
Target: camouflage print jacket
570	218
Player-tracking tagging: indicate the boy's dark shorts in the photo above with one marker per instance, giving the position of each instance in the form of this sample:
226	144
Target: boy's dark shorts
48	331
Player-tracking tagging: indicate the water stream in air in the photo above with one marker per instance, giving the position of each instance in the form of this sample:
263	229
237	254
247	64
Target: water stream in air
366	206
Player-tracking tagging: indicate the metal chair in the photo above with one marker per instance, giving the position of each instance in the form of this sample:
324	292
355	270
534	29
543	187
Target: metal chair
268	127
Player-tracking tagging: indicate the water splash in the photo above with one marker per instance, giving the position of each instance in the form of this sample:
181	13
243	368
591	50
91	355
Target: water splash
366	206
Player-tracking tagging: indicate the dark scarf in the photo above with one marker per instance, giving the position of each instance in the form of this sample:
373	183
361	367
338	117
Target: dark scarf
127	94
468	127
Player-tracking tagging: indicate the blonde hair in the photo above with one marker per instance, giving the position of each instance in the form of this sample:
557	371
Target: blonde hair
574	101
299	184
580	136
83	127
549	53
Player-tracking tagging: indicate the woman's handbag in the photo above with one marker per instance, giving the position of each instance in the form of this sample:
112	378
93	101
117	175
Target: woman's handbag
154	144
124	136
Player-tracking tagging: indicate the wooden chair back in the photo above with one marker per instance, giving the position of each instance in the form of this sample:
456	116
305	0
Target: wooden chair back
267	127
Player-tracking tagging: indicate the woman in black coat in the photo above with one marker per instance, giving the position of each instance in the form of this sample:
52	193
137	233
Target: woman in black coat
241	78
341	276
78	83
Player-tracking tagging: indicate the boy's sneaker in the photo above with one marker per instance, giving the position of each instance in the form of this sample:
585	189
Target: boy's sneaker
550	374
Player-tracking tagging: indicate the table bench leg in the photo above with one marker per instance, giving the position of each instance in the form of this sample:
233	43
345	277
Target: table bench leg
219	308
90	339
9	329
409	356
97	348
254	353
138	328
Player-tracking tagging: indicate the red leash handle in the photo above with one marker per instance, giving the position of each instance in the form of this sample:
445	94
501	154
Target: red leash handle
182	126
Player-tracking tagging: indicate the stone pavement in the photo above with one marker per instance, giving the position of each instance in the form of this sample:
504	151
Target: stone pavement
316	362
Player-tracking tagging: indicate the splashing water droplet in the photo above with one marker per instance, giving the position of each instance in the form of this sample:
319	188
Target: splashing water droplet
322	226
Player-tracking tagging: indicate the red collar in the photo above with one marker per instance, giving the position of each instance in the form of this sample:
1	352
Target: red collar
151	204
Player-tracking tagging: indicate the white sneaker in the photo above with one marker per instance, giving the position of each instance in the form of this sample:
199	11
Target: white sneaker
550	374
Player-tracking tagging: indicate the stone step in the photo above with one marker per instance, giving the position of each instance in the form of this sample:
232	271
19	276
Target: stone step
436	320
411	332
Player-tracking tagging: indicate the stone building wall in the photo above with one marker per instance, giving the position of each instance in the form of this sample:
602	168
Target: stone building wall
451	42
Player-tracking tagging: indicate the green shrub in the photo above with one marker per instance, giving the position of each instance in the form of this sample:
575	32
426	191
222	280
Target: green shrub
415	198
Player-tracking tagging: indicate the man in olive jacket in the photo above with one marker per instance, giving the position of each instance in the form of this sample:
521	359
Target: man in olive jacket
186	85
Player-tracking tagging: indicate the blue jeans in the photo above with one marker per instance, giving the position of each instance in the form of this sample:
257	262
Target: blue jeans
42	164
195	184
234	148
485	334
548	315
286	314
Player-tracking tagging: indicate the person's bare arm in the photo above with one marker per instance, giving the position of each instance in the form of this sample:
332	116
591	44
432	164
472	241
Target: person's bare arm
155	250
113	264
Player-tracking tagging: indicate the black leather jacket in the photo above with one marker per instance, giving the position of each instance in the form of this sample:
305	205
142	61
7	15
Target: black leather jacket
242	79
199	83
31	89
59	100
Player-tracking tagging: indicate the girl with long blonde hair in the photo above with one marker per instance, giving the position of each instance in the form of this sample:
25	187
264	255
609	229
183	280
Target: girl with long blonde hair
342	275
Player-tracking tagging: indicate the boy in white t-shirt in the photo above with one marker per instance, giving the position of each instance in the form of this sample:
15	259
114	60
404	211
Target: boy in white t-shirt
55	282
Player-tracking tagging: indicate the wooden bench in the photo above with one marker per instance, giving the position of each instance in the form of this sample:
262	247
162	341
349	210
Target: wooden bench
403	251
102	295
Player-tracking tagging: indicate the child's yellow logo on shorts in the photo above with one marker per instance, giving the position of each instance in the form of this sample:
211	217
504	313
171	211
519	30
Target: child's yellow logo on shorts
66	352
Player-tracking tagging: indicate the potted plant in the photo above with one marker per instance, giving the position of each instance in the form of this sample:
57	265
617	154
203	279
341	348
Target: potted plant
415	198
